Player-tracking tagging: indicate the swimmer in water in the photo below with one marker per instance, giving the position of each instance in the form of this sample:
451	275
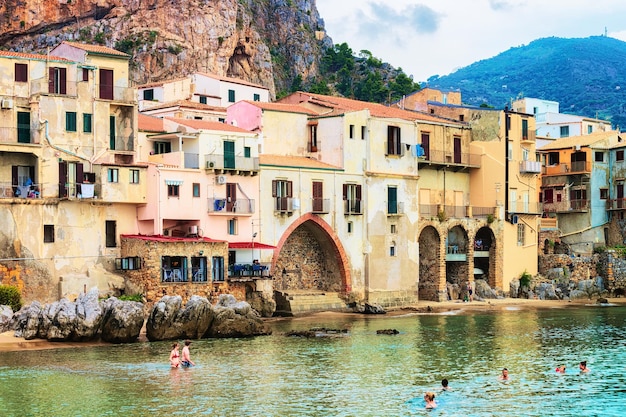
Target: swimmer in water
505	375
429	397
560	369
583	367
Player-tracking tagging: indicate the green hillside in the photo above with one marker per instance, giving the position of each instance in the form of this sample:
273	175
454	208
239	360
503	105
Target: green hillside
586	76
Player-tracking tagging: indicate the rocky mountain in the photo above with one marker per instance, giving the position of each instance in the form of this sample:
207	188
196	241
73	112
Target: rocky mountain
587	76
268	42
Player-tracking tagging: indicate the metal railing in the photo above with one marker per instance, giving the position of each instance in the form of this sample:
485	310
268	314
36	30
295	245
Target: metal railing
524	207
16	135
320	205
567	168
353	206
395	209
616	204
216	162
565	206
44	87
249	270
8	190
223	205
530	167
457	212
283	204
445	157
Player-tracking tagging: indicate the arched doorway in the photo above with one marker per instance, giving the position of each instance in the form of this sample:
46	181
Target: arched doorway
457	265
485	255
429	264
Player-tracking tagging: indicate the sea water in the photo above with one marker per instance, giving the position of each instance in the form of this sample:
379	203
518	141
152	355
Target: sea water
360	373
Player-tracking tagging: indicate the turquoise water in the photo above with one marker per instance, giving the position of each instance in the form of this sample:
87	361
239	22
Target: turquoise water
360	374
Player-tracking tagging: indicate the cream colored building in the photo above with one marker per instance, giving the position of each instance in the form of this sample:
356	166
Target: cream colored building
69	180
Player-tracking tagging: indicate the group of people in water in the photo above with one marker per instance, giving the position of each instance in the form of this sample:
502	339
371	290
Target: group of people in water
429	396
176	361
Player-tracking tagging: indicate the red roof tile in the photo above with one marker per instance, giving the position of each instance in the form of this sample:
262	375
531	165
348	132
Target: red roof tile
187	104
97	49
208	125
27	55
160	238
150	123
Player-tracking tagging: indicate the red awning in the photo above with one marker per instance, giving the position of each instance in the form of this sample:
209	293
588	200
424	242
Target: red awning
249	245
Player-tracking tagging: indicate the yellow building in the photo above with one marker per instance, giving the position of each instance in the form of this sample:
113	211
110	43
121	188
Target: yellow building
68	177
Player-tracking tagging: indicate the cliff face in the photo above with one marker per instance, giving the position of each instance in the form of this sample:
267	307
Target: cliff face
267	42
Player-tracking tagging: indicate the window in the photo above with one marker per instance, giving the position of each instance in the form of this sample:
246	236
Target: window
148	94
619	155
232	226
392	200
604	193
426	145
525	154
350	227
313	137
392	249
57	80
106	84
174	269
352	198
173	190
23	127
363	132
589	129
198	268
394	147
535	110
351	135
257	97
218	268
393	229
203	99
221	120
162	147
461	117
85	74
196	189
134	176
246	152
128	264
87	122
318	197
524	129
231	96
553	158
70	121
599	156
564	131
113	175
282	192
110	230
21	73
521	234
48	233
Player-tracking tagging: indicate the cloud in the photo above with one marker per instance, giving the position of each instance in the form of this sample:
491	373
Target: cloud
502	5
416	18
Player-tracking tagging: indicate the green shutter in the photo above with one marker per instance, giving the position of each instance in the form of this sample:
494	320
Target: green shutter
23	127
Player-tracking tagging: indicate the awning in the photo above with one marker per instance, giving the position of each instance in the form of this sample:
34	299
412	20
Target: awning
249	245
174	182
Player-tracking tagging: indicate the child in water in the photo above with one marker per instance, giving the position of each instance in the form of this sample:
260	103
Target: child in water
429	397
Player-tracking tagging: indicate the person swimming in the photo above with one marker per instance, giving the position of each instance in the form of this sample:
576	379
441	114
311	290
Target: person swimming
429	397
504	376
583	367
560	369
444	385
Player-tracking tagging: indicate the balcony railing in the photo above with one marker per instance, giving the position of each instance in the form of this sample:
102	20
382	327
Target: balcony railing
566	206
320	205
192	160
216	163
447	158
80	190
29	134
248	270
568	168
616	204
353	207
395	209
223	205
521	207
283	204
457	212
528	136
530	167
43	87
8	190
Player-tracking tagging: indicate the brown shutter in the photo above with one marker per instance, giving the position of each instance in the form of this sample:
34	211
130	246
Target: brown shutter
274	186
345	191
14	176
62	81
62	179
398	141
358	192
79	178
289	189
51	72
389	140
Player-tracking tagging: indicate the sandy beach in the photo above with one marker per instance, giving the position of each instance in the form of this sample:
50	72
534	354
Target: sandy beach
8	342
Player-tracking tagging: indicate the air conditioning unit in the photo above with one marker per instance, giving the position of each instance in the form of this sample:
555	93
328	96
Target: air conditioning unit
220	179
193	230
210	164
6	103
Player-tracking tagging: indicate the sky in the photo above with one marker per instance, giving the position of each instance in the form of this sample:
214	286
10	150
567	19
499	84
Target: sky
437	37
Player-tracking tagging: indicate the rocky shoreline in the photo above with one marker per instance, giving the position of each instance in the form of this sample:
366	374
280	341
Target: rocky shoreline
9	342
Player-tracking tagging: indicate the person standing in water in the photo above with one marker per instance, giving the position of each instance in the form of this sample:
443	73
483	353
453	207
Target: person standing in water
186	361
174	356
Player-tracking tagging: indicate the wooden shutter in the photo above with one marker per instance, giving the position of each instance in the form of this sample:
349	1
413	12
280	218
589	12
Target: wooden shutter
14	175
62	179
389	140
345	191
358	192
231	196
289	189
398	141
106	84
21	72
62	80
426	145
274	186
318	194
51	78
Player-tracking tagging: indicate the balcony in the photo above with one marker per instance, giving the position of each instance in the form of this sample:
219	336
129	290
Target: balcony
579	167
576	206
530	167
459	212
285	205
226	206
528	137
126	95
353	207
320	205
238	165
8	190
248	270
20	135
521	207
43	86
616	204
395	208
455	212
460	160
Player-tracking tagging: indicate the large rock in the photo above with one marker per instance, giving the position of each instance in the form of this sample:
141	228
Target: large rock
6	318
88	316
57	321
483	290
167	321
263	305
121	320
27	321
236	319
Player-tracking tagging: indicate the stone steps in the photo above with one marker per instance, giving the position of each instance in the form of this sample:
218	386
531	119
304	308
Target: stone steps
291	303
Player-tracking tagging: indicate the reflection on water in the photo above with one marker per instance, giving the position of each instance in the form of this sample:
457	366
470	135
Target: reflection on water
362	374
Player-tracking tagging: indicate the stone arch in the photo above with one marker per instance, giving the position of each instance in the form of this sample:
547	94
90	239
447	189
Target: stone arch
485	245
429	264
310	256
457	257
